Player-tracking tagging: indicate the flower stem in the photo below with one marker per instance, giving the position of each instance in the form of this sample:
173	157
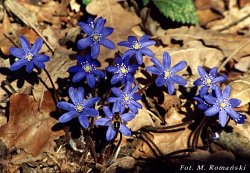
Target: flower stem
52	84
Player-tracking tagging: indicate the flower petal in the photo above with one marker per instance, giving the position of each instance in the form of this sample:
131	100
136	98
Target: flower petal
90	80
91	101
37	46
112	99
138	105
153	70
160	81
99	73
29	67
128	53
132	38
127	116
103	122
83	119
112	69
201	71
198	82
232	113
148	43
18	64
136	97
39	64
67	116
84	42
157	63
144	38
116	107
125	44
95	50
80	94
179	66
210	99
66	106
107	112
212	111
179	80
73	95
107	31
99	25
117	91
203	91
125	130
226	92
25	44
170	85
78	76
139	57
75	68
213	72
110	134
107	43
91	112
223	118
147	52
133	108
115	79
17	52
234	102
86	28
42	58
220	79
218	92
166	60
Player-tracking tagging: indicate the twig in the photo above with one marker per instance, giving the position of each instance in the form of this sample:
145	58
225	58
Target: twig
234	53
234	23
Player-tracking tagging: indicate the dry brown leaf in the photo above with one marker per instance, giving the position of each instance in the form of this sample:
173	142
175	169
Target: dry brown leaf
166	142
28	127
232	15
241	90
227	43
243	64
115	14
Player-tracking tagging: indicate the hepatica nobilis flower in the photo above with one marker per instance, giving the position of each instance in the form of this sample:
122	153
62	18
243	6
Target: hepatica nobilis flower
166	74
137	47
125	99
223	105
96	35
115	122
28	55
86	67
208	80
80	107
122	71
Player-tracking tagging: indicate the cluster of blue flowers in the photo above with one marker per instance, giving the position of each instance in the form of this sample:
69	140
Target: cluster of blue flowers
215	101
123	105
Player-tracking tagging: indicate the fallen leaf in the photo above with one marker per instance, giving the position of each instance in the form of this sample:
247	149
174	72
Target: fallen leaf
241	90
243	64
28	127
226	43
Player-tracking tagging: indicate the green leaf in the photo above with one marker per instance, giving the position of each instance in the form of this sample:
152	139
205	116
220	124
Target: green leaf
145	2
86	2
178	10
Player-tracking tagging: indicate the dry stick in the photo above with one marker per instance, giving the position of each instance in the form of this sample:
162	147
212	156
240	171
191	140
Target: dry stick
234	23
234	53
52	84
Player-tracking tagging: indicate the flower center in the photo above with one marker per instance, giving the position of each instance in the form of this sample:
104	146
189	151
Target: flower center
79	108
136	45
87	68
96	37
208	81
123	70
126	98
223	105
29	56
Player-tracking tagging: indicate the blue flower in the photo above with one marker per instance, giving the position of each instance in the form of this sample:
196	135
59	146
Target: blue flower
122	71
116	122
125	98
137	47
203	105
208	81
223	105
28	55
80	107
166	74
96	35
86	68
